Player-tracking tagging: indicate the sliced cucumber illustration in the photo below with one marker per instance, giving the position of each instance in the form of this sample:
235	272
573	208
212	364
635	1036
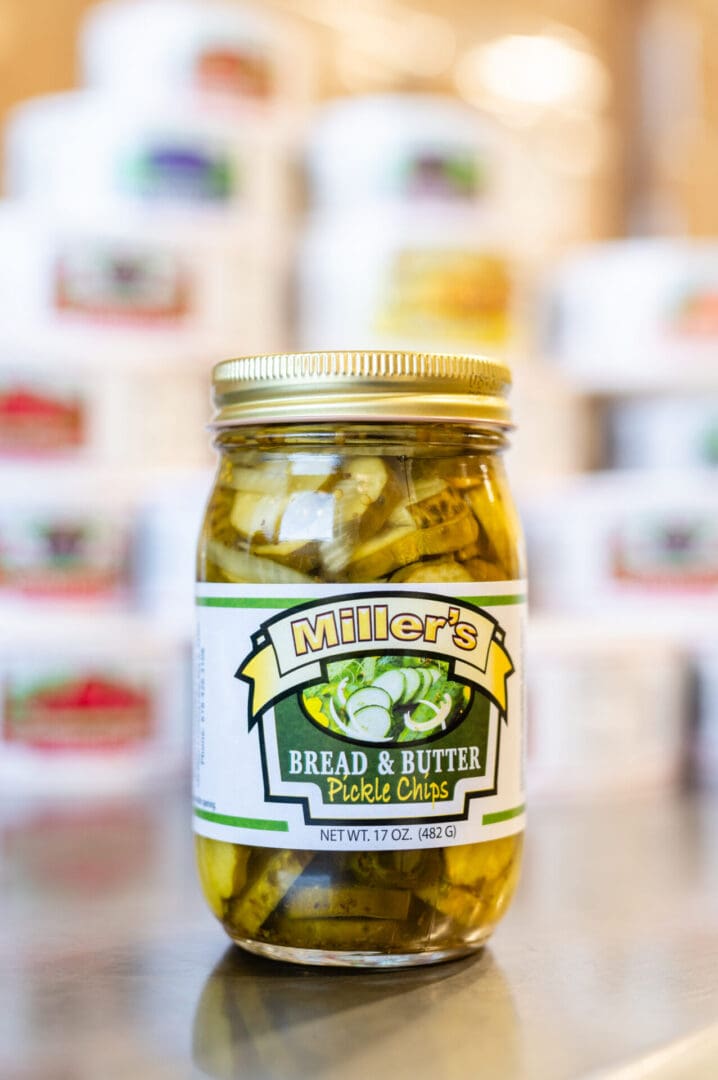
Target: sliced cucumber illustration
387	698
393	682
368	695
412	684
371	723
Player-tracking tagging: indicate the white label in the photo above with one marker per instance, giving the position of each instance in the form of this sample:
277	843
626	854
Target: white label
340	718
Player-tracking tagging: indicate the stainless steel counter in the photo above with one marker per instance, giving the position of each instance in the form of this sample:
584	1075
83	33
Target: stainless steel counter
112	969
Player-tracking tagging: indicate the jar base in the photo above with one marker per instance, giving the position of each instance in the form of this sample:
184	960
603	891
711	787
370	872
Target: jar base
355	958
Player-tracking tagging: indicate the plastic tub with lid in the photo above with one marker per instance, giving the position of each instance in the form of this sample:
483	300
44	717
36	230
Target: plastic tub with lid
627	542
636	312
65	537
665	432
91	705
416	149
400	277
162	154
91	409
233	51
607	710
91	281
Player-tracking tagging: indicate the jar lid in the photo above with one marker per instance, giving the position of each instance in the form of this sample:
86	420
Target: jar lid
319	387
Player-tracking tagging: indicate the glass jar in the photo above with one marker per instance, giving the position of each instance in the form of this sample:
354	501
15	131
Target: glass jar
358	777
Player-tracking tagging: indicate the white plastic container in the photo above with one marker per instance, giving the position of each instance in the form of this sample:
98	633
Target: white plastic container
628	543
161	155
91	705
665	432
76	283
65	538
168	526
407	278
556	428
416	149
637	312
85	409
607	711
704	749
243	53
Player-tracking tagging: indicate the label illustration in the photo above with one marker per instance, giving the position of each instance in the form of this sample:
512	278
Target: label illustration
675	551
40	419
443	174
695	312
463	293
182	172
76	711
121	283
376	719
233	71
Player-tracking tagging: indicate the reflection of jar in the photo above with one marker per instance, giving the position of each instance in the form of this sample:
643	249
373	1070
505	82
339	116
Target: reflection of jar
257	1020
358	782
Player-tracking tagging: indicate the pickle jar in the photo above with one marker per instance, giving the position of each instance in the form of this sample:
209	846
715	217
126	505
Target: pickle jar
358	771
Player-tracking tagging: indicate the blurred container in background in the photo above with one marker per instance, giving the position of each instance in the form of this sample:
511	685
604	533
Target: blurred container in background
91	705
163	155
616	542
637	313
607	711
245	55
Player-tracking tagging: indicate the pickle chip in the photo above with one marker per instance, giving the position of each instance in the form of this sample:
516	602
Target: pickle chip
460	904
499	524
404	868
471	864
345	901
364	500
270	881
240	566
433	570
222	870
498	895
403	545
436	508
345	934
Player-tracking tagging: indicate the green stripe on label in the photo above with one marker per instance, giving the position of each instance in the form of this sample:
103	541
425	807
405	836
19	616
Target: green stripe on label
503	815
243	822
275	602
248	601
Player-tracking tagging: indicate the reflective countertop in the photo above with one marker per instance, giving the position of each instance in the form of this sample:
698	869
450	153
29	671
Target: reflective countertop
112	969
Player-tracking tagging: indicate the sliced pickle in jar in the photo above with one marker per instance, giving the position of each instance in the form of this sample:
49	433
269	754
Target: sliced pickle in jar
498	894
400	546
460	904
222	870
499	526
363	501
255	517
434	571
346	901
437	508
271	875
301	473
344	934
296	554
395	868
239	565
471	864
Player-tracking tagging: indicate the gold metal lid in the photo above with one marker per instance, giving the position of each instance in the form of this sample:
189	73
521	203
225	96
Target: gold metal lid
321	387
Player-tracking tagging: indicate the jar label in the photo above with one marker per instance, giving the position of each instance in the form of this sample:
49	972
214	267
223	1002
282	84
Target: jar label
338	718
